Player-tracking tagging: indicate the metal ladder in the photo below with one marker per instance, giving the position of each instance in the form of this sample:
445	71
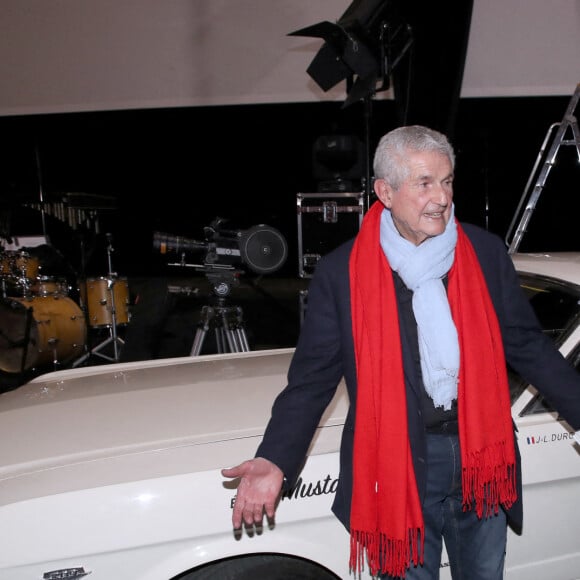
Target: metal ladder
546	159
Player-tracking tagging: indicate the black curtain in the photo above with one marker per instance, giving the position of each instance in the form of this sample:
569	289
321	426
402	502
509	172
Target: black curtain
427	80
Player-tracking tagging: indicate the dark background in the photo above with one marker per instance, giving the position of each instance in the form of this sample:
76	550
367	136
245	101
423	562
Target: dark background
176	170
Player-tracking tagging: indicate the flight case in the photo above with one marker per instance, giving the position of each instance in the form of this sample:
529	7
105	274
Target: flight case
325	220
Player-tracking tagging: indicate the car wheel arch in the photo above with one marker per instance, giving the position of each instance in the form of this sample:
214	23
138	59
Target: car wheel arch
266	566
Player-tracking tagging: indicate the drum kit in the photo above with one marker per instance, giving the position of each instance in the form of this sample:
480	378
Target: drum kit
42	326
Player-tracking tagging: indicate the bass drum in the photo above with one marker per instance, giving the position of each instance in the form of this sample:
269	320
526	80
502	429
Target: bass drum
40	330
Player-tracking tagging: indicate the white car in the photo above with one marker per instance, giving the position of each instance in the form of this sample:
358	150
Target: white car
113	471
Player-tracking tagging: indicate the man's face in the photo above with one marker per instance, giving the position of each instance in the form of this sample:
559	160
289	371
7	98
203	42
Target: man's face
421	207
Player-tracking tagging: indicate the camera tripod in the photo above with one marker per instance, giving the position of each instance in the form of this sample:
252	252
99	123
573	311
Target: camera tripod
226	321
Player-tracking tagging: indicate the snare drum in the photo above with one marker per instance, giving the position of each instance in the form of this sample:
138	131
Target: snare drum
49	286
40	330
97	296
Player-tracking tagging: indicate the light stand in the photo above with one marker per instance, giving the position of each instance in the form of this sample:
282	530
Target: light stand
363	47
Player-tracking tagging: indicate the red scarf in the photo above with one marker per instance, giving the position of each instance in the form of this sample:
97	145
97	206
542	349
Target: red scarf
386	516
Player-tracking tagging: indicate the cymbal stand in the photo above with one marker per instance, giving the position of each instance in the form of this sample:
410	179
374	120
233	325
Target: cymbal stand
114	338
226	321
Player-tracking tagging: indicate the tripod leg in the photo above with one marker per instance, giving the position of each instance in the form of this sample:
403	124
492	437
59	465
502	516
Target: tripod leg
207	313
240	331
231	339
222	340
232	331
198	341
243	339
237	339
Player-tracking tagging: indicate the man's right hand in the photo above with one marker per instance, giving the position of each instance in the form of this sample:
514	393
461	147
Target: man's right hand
260	485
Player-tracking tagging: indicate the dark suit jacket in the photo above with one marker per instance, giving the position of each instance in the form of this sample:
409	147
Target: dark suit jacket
325	353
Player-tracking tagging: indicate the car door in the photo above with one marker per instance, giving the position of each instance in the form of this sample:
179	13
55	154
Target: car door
548	546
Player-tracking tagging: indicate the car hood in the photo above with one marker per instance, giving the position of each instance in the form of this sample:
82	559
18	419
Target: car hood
89	414
559	265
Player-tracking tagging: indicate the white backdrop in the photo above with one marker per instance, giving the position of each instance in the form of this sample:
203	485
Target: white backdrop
88	55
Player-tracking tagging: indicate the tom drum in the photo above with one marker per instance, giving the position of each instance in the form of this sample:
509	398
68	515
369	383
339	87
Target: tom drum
17	271
98	295
24	266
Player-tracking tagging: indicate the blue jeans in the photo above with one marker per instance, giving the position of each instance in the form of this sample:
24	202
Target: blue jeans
476	548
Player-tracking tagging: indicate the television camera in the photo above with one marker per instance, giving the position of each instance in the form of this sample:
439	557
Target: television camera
261	248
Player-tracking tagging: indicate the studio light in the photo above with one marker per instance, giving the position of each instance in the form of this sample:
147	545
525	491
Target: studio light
361	47
338	163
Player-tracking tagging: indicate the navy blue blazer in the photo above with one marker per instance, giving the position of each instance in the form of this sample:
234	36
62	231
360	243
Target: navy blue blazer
325	353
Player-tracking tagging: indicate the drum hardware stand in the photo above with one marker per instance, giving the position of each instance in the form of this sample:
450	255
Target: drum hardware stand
40	189
114	338
52	342
27	335
227	321
548	159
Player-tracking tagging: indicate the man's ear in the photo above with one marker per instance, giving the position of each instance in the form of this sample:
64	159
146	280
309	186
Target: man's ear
384	192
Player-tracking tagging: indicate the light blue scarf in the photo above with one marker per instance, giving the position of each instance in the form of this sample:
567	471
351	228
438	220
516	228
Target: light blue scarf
422	269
